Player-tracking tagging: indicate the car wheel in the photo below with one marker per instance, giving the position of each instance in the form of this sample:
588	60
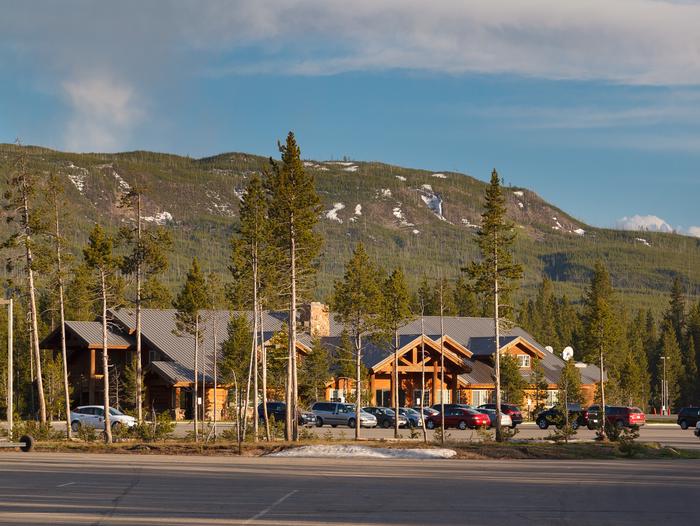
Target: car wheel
430	424
513	426
116	426
462	425
590	426
684	424
75	426
542	423
334	425
386	424
319	421
351	422
574	425
619	424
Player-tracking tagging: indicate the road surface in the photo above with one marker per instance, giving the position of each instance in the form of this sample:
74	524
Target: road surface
60	489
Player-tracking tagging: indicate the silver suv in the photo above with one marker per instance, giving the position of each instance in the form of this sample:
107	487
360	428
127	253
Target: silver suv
336	413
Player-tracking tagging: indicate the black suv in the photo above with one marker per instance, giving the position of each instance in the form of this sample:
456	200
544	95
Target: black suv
688	417
277	412
553	416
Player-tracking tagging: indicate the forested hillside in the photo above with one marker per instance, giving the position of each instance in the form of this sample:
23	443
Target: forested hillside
424	221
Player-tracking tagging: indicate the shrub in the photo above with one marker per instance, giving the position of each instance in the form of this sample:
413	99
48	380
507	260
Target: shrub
160	429
87	433
627	441
35	429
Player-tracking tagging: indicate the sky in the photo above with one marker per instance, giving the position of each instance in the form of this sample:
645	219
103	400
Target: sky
594	105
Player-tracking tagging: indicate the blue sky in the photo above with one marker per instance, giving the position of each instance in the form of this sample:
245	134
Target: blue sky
595	105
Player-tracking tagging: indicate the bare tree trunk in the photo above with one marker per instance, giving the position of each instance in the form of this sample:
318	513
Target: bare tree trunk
105	361
215	358
139	372
196	377
255	348
396	383
247	394
422	374
291	429
497	331
358	385
61	304
263	351
602	396
32	299
442	369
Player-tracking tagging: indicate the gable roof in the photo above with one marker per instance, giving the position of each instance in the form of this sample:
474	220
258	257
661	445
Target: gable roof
90	334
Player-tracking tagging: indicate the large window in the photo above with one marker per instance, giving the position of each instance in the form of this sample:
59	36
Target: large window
524	360
417	397
552	397
481	396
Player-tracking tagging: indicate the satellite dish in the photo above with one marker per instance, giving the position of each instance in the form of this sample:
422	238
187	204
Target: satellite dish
567	353
550	349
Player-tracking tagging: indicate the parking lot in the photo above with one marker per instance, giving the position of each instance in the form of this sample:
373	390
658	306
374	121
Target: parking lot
666	434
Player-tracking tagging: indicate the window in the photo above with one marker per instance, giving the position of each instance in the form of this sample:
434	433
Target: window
552	397
445	393
417	397
480	396
152	356
524	360
383	397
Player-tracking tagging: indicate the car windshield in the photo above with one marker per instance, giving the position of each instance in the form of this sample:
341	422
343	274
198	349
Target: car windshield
389	412
115	412
410	412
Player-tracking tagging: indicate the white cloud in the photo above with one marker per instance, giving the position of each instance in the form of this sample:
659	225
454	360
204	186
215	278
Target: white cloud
649	223
103	113
694	231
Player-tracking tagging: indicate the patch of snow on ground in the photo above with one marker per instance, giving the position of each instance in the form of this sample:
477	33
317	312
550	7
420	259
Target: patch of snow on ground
341	163
315	166
521	206
398	214
432	200
352	168
441	176
642	241
416	232
580	232
332	214
519	193
220	206
402	178
241	193
160	218
78	181
328	451
384	192
122	183
469	224
358	212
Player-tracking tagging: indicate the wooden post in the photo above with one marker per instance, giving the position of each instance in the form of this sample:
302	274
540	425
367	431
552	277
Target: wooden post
10	373
435	381
91	380
455	388
372	394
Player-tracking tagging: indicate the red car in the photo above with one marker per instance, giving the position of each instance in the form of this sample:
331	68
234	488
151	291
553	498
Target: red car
459	418
617	416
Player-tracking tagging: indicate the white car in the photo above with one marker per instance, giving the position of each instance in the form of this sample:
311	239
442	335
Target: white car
93	416
506	420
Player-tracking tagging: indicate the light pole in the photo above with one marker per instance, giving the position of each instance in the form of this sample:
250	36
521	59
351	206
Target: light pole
10	408
664	388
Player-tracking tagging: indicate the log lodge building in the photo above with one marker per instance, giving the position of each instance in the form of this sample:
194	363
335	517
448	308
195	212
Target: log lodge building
168	358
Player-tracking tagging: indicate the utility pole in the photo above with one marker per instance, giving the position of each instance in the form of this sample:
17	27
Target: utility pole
664	388
10	408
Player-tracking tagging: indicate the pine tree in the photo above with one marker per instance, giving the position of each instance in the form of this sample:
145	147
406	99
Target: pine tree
147	259
294	207
99	257
464	298
357	302
670	364
676	309
314	372
496	276
190	302
155	295
690	377
512	382
539	386
235	357
80	295
426	297
395	313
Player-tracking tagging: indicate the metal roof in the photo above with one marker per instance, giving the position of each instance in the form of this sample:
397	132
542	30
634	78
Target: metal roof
91	333
175	372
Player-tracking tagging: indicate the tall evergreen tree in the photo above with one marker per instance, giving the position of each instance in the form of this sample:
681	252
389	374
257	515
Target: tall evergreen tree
395	313
100	258
669	365
512	382
539	386
147	259
496	276
676	309
314	372
464	298
190	302
357	302
235	357
294	207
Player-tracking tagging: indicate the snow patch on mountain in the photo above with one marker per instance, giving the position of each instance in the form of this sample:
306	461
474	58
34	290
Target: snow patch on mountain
400	177
239	193
468	223
358	209
521	206
352	168
78	179
383	192
642	241
315	166
332	214
519	193
578	231
398	214
432	200
415	232
161	218
121	182
218	204
439	176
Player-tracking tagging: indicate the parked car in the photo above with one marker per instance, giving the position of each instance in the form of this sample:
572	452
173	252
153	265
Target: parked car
437	407
618	416
688	417
513	411
413	416
385	416
427	411
506	421
277	411
578	416
93	416
460	418
338	413
697	430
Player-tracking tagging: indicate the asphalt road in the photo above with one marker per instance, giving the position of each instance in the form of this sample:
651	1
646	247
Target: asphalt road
665	434
61	489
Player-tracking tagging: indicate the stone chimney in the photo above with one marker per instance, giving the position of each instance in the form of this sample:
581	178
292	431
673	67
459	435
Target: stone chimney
316	318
